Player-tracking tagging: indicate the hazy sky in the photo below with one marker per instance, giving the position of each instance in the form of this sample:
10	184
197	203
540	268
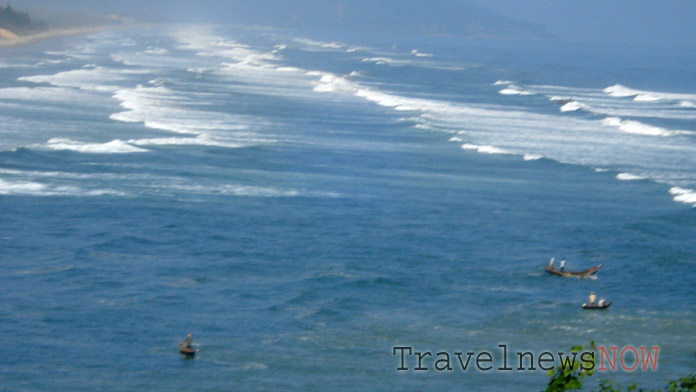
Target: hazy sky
636	22
671	22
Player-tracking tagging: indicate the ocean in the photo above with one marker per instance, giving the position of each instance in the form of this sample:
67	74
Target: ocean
303	206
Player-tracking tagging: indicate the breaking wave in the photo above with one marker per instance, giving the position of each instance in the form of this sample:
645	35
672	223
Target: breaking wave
90	77
532	157
484	149
621	91
638	128
30	188
386	60
514	90
112	147
682	195
629	177
571	106
161	108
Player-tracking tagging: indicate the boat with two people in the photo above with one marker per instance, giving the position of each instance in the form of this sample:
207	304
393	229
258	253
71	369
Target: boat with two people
601	304
570	274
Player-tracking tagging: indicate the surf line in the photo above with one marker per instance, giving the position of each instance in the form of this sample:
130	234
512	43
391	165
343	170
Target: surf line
630	358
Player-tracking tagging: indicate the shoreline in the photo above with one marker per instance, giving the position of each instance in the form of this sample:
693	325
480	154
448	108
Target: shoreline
56	33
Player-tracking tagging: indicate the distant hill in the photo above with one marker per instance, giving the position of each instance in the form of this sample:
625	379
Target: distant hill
16	22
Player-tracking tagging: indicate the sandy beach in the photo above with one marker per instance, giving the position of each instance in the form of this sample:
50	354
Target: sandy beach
8	38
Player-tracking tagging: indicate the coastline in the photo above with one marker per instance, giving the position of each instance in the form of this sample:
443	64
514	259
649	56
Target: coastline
55	33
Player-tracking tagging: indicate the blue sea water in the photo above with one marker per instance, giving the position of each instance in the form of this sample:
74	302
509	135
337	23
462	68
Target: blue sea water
303	206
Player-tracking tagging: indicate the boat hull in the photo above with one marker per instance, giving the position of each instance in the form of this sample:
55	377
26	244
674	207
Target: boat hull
596	306
187	351
573	274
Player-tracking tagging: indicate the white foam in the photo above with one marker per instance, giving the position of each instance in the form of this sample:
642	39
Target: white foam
198	70
88	78
638	128
502	82
238	190
514	90
320	44
532	157
628	177
164	109
200	140
157	82
155	51
47	62
333	45
602	102
456	139
333	83
113	147
386	61
571	106
31	188
621	91
618	90
647	97
416	53
20	187
389	100
53	95
682	195
560	98
484	149
50	174
289	69
209	45
499	129
687	104
17	65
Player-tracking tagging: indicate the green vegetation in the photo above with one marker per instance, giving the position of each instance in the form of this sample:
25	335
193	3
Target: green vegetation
16	21
684	384
569	379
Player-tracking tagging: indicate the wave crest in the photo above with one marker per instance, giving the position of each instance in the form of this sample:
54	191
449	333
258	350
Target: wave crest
638	128
514	90
113	147
484	149
628	177
682	195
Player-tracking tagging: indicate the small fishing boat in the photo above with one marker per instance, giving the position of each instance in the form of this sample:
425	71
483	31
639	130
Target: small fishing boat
600	306
186	350
573	274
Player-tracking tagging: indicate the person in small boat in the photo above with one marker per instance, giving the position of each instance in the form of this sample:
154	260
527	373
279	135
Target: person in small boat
188	341
563	264
593	297
551	262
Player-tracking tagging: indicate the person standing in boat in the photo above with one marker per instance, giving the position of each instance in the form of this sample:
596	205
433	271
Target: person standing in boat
188	341
562	264
593	297
551	262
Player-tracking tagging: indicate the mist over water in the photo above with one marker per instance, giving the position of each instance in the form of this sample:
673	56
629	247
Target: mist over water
303	205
